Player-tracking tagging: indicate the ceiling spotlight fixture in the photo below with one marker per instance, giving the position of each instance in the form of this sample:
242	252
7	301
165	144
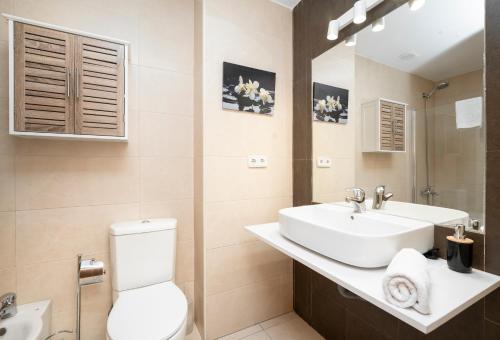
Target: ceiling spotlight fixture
359	12
415	5
378	25
351	41
333	30
356	15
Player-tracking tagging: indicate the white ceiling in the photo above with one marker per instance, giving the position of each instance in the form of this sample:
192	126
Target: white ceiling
445	38
287	3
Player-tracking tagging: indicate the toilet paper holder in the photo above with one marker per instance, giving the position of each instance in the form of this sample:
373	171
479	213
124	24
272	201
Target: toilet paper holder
88	272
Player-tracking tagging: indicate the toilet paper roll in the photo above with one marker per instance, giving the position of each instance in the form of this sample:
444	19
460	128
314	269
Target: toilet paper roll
91	271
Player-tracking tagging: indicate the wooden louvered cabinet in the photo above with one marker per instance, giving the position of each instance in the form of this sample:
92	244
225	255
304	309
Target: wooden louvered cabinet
384	126
99	103
43	62
66	85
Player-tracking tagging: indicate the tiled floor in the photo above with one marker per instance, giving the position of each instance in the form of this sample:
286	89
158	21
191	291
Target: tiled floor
285	327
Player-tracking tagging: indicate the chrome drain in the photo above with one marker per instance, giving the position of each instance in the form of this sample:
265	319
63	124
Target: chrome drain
3	331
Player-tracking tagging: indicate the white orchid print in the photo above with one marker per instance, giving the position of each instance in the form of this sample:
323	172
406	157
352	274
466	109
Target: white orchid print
251	88
248	89
264	96
333	104
330	103
321	105
240	87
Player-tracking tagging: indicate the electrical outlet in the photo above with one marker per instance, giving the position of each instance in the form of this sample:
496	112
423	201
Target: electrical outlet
257	161
324	162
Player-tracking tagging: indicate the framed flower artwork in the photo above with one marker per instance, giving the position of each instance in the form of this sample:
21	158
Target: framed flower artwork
330	103
248	89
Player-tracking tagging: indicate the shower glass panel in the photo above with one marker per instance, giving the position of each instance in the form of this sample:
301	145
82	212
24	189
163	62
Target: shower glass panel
456	155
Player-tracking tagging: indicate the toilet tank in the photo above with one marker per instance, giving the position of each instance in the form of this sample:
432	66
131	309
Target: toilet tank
142	252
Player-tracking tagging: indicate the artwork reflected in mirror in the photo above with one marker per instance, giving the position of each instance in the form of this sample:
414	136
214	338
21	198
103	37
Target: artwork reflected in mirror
330	103
248	89
429	151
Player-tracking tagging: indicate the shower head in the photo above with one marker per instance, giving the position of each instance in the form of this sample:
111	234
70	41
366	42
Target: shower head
438	86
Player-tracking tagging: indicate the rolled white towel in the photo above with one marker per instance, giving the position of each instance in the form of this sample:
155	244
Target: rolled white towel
406	281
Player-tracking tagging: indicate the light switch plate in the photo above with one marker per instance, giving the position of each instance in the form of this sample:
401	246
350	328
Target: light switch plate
257	161
324	162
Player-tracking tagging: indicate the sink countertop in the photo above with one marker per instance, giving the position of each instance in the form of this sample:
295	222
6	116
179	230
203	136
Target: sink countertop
465	289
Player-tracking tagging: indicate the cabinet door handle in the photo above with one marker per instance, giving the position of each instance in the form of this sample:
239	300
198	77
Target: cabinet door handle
77	78
68	77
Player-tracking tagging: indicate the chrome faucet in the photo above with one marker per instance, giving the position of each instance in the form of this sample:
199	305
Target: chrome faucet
8	305
357	199
380	197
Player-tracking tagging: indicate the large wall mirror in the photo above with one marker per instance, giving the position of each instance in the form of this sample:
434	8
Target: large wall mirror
401	104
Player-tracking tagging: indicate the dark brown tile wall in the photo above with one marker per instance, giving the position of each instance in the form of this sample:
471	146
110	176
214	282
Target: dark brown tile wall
316	298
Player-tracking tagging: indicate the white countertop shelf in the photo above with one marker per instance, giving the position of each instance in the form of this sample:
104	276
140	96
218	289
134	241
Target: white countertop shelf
451	292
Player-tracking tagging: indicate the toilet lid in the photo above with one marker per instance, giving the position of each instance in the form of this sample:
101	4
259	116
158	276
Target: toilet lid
155	312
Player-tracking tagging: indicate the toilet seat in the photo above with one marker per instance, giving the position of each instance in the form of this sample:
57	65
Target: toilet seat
156	312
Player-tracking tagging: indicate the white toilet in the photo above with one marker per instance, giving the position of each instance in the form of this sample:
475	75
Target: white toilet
147	304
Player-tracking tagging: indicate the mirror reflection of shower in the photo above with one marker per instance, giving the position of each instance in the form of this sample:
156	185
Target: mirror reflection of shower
428	191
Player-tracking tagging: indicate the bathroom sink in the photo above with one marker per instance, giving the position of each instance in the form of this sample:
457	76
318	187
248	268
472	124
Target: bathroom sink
367	239
32	322
433	214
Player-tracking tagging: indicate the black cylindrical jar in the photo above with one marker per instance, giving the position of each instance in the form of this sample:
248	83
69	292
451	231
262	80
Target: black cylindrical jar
459	253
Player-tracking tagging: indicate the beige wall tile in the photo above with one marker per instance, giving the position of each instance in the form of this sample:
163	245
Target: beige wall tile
235	272
56	280
261	301
88	149
182	210
250	133
184	270
246	183
8	281
7	142
166	178
50	182
166	135
57	234
7	239
235	266
4	68
173	48
226	221
133	87
6	6
7	183
267	16
165	91
97	19
64	320
50	280
335	179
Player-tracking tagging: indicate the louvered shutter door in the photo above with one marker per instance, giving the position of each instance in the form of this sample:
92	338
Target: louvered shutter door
43	62
386	127
398	116
99	96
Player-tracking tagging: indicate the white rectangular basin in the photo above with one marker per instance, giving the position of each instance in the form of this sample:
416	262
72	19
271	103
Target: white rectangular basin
435	215
367	239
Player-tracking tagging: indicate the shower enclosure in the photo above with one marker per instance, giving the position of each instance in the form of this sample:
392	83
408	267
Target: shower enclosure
449	161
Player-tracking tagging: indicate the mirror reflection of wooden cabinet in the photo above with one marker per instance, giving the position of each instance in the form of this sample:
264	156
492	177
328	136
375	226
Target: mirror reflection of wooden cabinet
65	83
384	126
